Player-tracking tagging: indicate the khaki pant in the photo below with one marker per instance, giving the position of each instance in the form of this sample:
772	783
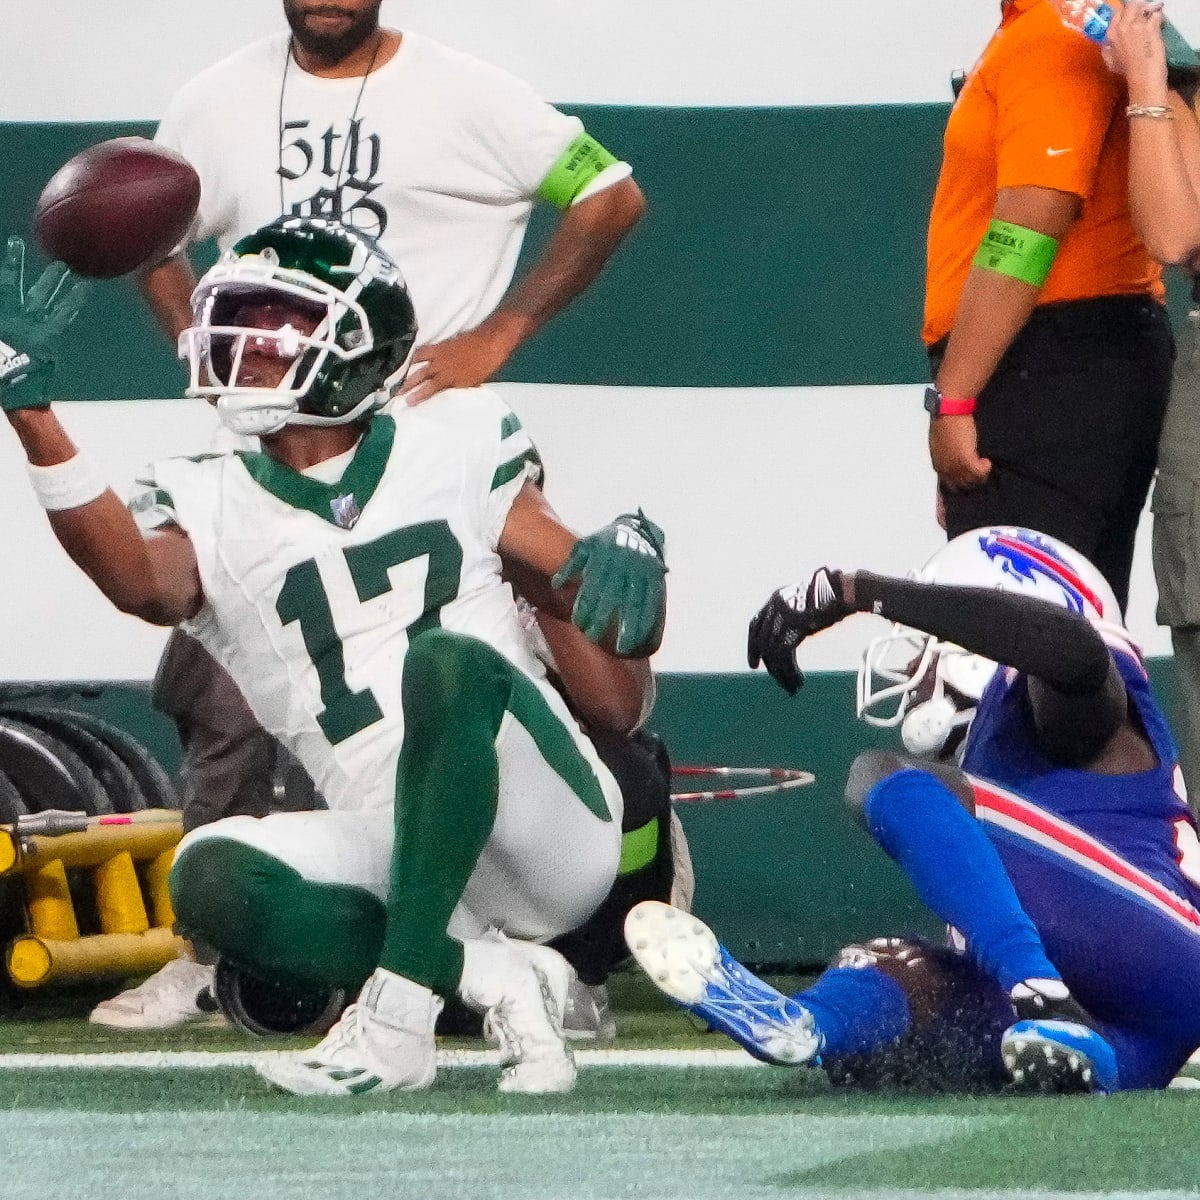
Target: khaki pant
1176	546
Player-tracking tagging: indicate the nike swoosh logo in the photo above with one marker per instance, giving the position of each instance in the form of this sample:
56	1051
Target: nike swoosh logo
1053	153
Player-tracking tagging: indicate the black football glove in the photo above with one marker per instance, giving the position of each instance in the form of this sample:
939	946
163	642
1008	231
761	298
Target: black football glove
792	614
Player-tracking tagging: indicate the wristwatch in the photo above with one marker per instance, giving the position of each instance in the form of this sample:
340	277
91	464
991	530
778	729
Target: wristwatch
937	405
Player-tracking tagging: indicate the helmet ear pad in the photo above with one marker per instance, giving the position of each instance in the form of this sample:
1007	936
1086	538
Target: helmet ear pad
939	712
363	378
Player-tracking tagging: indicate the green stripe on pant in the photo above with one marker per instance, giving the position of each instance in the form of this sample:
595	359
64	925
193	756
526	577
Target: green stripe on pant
262	914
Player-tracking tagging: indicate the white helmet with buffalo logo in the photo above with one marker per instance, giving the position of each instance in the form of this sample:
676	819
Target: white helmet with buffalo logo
929	687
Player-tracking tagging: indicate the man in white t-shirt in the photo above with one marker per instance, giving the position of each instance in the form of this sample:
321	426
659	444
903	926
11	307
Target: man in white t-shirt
435	153
439	156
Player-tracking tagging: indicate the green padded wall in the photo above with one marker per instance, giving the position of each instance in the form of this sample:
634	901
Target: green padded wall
750	269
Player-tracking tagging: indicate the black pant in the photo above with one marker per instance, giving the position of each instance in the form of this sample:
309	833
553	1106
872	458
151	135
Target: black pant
1070	420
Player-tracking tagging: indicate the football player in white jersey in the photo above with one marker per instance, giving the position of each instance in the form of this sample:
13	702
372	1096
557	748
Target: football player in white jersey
349	579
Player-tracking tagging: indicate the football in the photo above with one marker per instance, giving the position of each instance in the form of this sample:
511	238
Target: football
117	206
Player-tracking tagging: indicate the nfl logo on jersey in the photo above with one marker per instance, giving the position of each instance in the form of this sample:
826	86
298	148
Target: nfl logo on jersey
345	511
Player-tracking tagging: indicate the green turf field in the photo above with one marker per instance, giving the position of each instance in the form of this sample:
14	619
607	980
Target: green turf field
673	1133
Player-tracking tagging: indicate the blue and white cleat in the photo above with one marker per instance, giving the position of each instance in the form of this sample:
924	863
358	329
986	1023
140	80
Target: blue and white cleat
685	961
1058	1057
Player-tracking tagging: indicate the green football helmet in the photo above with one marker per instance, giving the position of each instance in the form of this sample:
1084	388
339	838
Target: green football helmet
330	278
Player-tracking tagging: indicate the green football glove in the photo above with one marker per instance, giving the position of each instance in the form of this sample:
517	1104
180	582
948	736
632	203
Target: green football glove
622	582
32	327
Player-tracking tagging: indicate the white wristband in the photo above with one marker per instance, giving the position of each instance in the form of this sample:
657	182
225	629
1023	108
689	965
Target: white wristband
67	484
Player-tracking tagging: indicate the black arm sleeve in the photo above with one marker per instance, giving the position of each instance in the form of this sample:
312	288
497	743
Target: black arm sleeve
1076	694
1036	638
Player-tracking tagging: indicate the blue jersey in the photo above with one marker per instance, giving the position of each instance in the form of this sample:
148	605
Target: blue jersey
1135	815
1106	866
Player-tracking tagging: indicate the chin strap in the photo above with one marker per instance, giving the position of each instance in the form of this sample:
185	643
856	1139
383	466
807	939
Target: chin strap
250	415
927	727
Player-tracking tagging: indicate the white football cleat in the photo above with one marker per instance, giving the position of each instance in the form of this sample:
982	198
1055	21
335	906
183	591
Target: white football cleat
521	988
178	993
382	1043
683	958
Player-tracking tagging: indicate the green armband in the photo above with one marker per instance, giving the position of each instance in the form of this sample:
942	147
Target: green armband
579	164
1018	252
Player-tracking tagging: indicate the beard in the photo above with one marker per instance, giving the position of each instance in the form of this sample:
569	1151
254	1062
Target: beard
330	47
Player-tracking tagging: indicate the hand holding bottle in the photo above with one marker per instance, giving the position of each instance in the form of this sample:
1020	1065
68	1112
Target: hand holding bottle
1135	49
1092	18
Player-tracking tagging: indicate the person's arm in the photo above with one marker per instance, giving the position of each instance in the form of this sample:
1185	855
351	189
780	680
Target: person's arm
606	692
1164	178
167	289
1164	142
534	545
1025	632
586	236
610	584
1077	695
992	309
153	576
609	693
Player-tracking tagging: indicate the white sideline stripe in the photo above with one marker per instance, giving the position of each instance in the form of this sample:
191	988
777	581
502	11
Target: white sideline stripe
302	1155
201	1060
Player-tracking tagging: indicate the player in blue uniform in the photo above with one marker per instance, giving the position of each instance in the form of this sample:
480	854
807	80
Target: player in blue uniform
1061	850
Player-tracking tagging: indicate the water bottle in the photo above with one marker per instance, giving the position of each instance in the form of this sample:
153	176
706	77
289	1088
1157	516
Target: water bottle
1089	17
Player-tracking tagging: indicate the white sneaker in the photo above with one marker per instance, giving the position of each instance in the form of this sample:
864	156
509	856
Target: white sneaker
382	1043
522	988
172	996
587	1016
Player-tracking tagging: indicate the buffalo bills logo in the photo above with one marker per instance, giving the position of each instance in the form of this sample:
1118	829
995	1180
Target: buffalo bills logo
1026	556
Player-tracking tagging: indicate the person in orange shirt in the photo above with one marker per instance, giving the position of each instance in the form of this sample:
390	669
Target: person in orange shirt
1044	321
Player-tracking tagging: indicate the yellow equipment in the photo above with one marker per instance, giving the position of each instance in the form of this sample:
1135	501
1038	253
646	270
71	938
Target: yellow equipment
129	857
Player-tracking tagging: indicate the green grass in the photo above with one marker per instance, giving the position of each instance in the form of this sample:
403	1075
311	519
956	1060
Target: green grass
56	1023
657	1134
684	1134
